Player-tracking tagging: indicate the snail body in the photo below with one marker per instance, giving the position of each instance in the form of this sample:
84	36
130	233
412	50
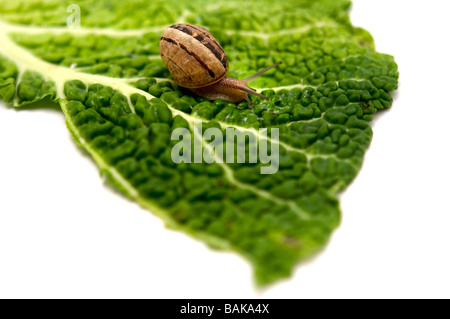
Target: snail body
197	61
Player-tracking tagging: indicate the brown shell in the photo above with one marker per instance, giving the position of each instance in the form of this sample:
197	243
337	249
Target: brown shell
192	55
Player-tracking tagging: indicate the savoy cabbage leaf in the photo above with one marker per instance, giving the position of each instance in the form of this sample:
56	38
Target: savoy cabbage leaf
122	106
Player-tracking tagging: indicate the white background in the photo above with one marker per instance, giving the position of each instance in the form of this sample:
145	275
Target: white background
64	234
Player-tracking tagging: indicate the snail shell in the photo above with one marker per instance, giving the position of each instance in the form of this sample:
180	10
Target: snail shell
197	61
193	56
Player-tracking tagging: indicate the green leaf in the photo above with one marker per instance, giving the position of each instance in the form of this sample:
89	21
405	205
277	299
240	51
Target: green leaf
122	107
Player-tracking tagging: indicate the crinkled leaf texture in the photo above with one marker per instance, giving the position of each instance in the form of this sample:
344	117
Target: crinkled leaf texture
121	106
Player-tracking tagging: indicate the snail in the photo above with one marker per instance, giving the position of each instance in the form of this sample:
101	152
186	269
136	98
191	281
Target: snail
197	61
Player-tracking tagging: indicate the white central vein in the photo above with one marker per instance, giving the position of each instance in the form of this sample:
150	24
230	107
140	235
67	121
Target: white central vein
154	29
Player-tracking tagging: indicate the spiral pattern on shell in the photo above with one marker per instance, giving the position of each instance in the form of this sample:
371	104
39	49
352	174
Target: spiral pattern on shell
193	56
